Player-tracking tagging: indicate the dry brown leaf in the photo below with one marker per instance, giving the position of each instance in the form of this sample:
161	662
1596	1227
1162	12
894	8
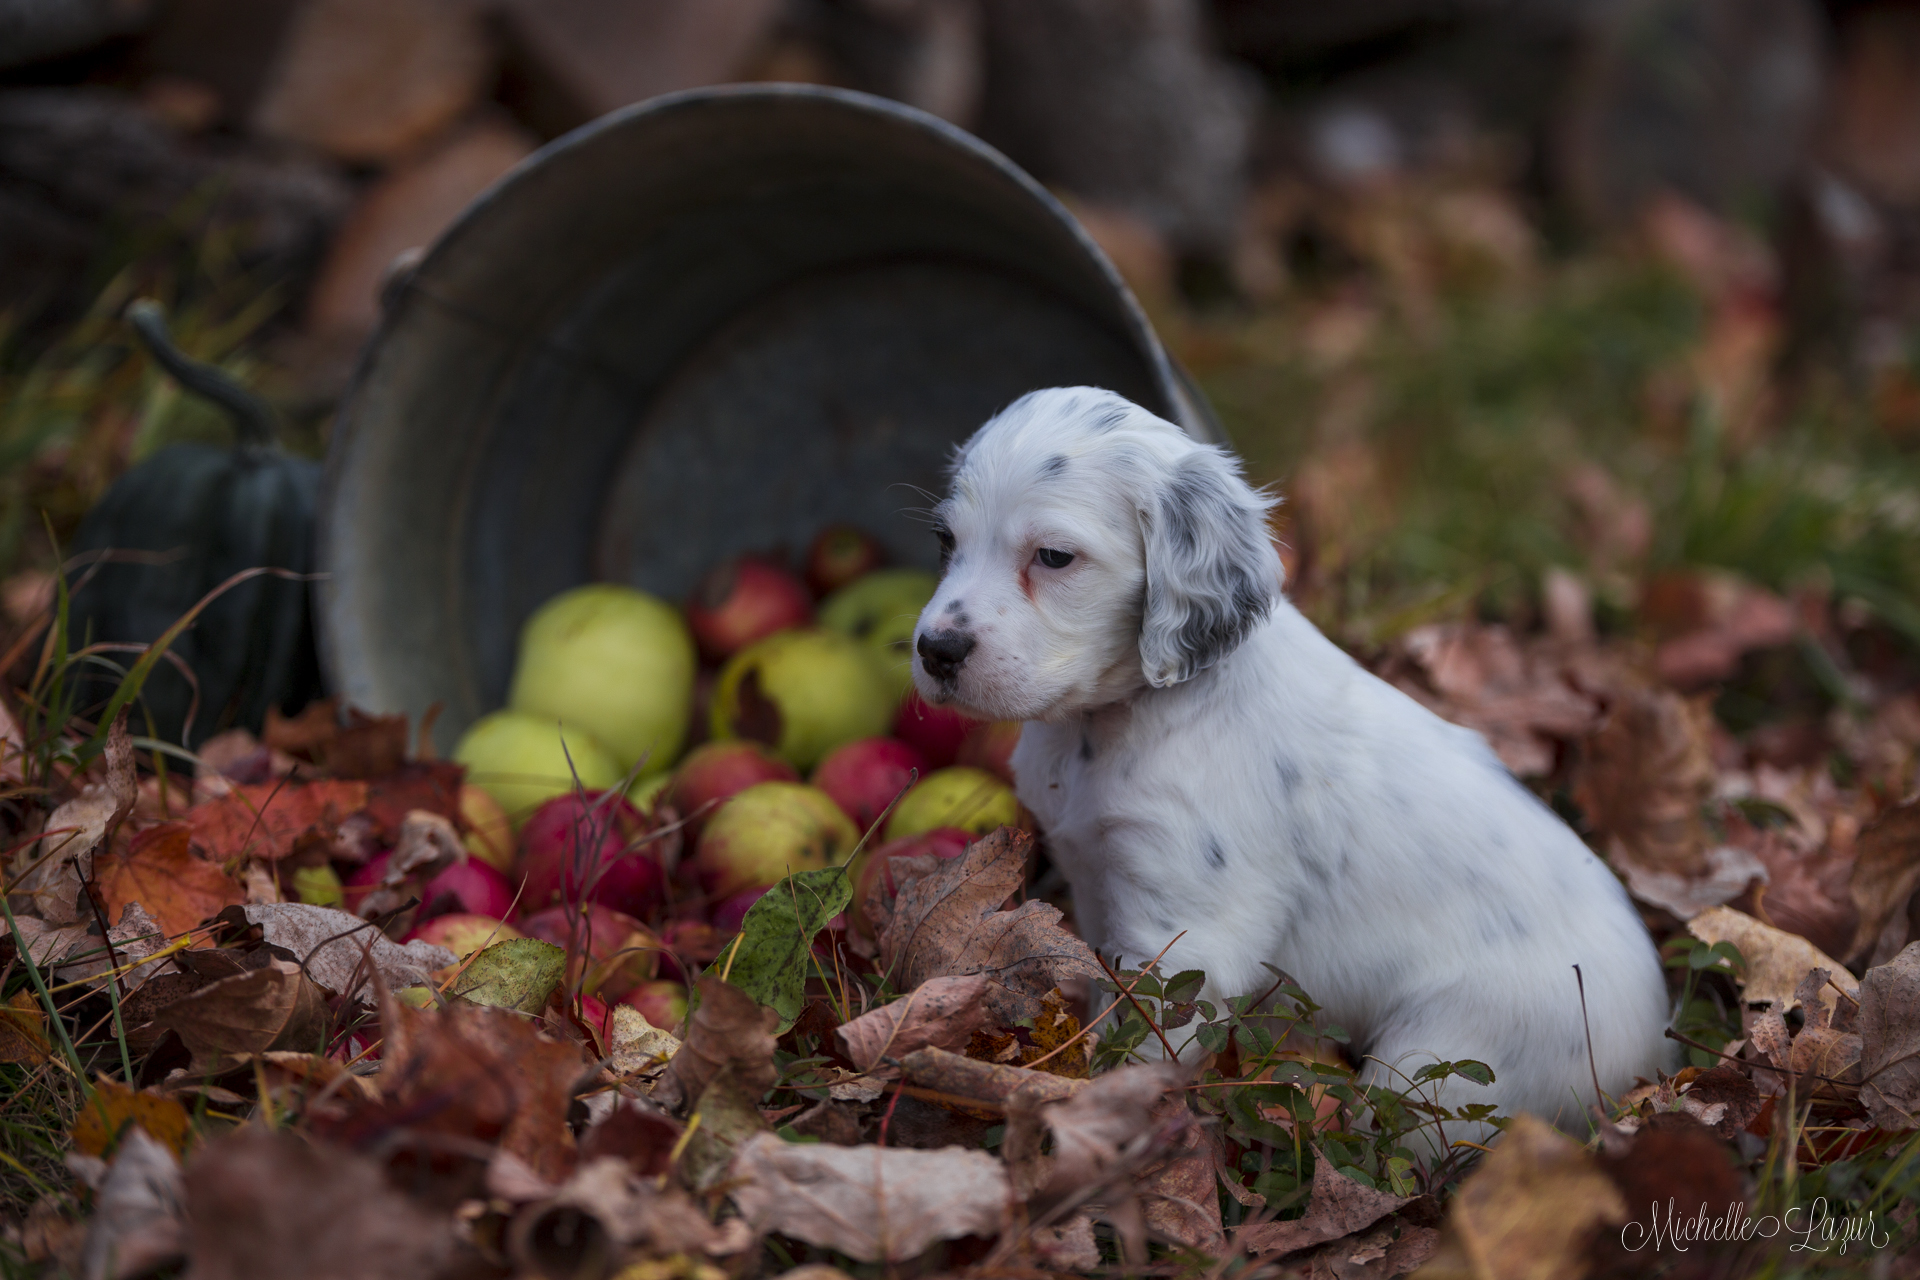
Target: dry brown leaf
1890	1041
1518	700
1526	1212
467	1077
604	1208
159	870
728	1027
1178	1192
1724	1099
1070	1246
139	1219
47	876
273	1204
334	944
726	1117
273	1007
23	1030
115	1109
637	1048
989	1083
134	939
1720	618
1339	1207
872	1203
265	819
1058	1048
1886	872
1776	960
1642	779
1828	1054
942	1012
946	921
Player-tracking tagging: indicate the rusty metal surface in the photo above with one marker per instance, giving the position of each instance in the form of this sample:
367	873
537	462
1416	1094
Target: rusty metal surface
706	324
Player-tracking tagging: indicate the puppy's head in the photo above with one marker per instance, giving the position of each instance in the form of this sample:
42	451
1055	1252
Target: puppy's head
1090	549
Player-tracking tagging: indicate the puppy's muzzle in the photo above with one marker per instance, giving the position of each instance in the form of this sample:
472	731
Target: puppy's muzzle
942	652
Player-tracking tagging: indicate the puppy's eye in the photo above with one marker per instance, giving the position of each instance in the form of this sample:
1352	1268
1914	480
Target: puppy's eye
1053	559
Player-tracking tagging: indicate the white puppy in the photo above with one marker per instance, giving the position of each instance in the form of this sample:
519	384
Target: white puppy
1204	761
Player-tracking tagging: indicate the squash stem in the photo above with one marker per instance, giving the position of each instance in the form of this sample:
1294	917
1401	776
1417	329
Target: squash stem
253	418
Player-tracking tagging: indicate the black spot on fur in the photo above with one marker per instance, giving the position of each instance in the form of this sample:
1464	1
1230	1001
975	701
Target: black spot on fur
1086	746
1290	776
1216	856
1110	420
1316	870
953	606
1054	466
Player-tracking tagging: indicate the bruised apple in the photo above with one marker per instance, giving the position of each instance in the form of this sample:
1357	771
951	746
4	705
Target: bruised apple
768	832
839	554
972	800
880	611
588	846
464	933
802	693
717	771
742	600
864	777
616	662
939	732
876	866
469	886
520	761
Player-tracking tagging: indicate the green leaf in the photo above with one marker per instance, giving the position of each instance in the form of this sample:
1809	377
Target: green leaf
520	973
1184	987
1478	1072
770	961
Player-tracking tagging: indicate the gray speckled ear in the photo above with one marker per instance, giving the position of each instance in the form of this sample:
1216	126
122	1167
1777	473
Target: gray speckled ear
1212	573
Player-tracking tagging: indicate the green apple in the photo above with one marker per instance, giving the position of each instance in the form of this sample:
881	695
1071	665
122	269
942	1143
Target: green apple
802	693
969	799
880	610
519	760
614	661
769	831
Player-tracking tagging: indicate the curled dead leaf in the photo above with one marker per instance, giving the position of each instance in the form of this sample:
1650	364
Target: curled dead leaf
47	876
728	1027
1890	1041
1642	779
339	950
1339	1207
1886	873
159	870
945	921
272	1007
1776	960
941	1012
875	1204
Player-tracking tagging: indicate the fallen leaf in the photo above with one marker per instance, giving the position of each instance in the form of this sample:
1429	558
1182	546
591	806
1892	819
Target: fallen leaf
727	1027
1889	1025
115	1109
47	876
771	960
642	1136
638	1048
1642	779
261	1203
722	1121
602	1210
874	1204
265	819
1886	872
333	945
427	843
273	1007
1828	1054
366	746
47	945
1776	960
520	973
941	1012
989	1083
1339	1207
1727	871
159	870
135	938
1517	699
1724	1099
1525	1213
139	1219
1069	1246
946	920
459	1080
23	1030
1178	1194
429	785
1058	1047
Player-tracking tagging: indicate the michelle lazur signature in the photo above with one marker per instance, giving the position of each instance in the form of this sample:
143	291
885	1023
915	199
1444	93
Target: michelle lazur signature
1812	1227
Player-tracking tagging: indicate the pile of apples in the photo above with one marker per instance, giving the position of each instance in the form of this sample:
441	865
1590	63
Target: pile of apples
604	833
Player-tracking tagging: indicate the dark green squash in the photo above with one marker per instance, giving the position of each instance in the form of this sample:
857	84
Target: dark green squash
212	512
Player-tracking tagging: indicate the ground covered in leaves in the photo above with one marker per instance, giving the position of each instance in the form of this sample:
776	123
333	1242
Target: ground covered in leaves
1588	508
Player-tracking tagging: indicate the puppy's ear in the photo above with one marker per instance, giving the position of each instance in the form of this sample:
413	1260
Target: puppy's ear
1212	572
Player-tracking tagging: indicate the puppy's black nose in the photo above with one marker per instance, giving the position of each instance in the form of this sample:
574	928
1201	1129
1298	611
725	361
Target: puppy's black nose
942	652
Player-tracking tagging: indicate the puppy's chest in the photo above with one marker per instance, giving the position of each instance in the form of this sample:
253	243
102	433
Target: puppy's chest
1103	802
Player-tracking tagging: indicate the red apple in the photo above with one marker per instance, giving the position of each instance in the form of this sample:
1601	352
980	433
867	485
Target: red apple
662	1003
608	951
464	933
584	845
714	773
990	746
863	777
937	731
876	866
365	878
839	554
742	600
729	912
694	941
469	886
594	1012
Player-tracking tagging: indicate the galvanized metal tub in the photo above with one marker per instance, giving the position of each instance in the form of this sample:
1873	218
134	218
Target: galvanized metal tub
706	324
